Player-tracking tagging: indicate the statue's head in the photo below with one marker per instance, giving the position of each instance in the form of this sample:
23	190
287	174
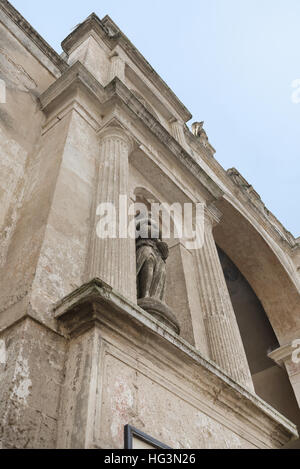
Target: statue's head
147	227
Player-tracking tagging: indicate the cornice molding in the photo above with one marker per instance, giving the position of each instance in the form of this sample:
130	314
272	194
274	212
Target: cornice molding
76	75
282	354
286	241
33	35
91	26
249	194
117	92
257	209
96	304
113	36
165	138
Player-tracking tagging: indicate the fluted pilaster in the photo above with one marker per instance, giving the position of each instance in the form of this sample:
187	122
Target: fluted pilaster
177	132
111	258
117	67
223	335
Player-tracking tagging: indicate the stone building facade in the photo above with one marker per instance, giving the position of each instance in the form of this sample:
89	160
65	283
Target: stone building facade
80	360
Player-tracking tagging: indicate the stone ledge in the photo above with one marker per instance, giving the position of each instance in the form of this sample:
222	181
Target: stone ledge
282	354
34	36
109	32
96	304
78	75
249	193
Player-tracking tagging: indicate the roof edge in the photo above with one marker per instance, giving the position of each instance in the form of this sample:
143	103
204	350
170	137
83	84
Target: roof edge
112	35
34	36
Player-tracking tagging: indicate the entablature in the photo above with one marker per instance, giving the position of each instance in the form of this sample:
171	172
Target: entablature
103	100
32	40
137	71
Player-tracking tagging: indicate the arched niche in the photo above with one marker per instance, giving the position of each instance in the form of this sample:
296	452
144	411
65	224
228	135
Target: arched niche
181	289
265	267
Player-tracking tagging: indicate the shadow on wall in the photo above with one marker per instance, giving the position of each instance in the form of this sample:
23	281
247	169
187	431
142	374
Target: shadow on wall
270	381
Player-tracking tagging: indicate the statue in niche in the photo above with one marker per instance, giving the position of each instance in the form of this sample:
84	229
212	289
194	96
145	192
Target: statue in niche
151	257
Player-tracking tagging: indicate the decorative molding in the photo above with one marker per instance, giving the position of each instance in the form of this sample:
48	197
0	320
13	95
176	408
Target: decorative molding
272	228
96	304
113	36
117	92
282	354
145	89
144	103
165	138
76	75
255	200
65	111
33	35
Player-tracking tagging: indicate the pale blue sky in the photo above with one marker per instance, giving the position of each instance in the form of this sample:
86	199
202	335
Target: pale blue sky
231	62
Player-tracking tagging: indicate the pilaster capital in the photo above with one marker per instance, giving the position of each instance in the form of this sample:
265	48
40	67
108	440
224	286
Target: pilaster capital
114	131
287	354
212	215
117	65
288	357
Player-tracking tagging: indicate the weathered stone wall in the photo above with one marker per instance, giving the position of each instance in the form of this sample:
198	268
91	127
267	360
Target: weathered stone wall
31	376
124	367
73	134
148	401
21	168
70	149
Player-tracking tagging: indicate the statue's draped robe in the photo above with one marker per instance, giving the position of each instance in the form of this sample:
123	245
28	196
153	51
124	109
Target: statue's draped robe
151	270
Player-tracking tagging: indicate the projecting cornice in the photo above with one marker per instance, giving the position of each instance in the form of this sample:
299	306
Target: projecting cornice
112	36
116	92
75	75
97	305
271	222
33	36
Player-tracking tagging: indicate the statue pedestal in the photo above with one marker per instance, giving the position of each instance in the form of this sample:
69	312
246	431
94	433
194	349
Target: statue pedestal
160	311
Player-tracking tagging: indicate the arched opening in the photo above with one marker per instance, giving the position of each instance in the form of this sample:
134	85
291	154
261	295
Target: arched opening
270	381
266	303
266	268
